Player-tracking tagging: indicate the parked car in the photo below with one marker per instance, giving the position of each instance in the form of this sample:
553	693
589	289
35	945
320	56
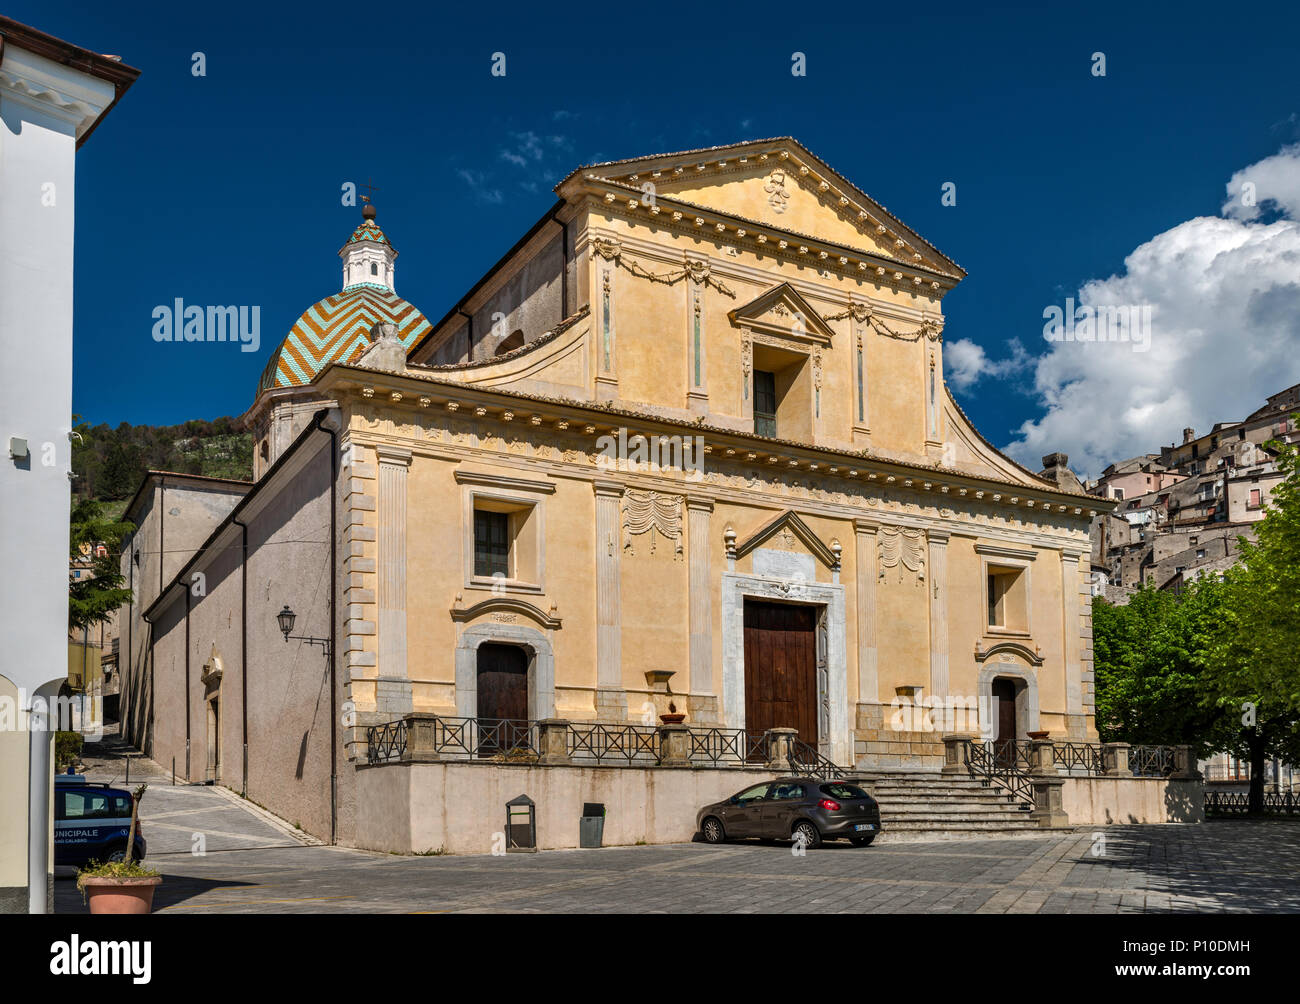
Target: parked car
794	808
92	822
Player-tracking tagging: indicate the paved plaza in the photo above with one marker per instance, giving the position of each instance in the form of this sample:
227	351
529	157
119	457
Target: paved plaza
256	864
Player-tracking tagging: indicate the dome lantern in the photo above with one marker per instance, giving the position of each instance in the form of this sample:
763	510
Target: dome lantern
368	256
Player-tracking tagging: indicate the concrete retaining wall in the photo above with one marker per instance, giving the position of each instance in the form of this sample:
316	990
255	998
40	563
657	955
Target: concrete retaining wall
459	807
1107	801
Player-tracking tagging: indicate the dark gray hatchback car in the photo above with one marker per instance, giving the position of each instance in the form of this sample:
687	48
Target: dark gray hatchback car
793	808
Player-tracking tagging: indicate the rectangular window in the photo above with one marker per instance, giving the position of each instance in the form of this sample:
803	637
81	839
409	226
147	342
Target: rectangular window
1007	599
764	403
1254	498
491	543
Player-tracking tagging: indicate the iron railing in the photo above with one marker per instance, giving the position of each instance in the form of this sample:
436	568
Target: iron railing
1237	803
1151	761
805	759
386	742
627	743
505	740
728	746
1079	758
1010	754
996	762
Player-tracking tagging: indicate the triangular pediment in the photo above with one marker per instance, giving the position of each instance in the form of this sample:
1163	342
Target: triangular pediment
782	184
787	530
782	310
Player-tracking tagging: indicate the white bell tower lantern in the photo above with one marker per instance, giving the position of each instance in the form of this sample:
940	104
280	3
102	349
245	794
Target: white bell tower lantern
368	257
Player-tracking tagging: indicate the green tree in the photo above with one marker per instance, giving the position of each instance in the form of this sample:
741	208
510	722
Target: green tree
1152	659
1257	656
92	600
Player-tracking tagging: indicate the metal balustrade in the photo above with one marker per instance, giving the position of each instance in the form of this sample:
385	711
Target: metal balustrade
386	742
734	747
805	759
1237	803
1079	758
998	762
518	741
1151	761
621	743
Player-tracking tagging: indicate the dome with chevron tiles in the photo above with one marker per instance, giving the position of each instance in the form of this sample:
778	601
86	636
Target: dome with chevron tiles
338	327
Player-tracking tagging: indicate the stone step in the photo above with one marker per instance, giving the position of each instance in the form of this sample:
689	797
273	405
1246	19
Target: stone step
894	809
943	818
932	821
887	797
957	833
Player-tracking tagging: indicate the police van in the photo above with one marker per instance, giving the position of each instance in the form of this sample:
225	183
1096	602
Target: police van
92	822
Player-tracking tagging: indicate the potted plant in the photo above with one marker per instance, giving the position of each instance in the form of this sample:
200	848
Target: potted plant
673	717
120	886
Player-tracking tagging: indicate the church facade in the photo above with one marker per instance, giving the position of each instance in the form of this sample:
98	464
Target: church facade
689	441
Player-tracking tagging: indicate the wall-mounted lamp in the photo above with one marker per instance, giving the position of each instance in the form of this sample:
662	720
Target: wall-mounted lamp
286	618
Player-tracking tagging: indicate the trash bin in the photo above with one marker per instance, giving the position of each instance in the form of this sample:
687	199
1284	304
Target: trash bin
591	827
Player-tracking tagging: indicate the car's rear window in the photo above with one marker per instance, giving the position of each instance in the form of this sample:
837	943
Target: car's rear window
841	790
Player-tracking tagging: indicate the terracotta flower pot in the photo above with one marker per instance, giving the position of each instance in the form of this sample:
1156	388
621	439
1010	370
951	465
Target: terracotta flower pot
120	895
1038	735
672	719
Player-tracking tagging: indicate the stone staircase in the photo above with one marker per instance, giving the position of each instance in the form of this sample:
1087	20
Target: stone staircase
915	805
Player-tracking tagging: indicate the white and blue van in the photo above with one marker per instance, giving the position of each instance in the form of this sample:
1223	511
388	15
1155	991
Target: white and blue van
92	822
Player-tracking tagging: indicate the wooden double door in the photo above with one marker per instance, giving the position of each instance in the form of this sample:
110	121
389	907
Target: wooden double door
781	668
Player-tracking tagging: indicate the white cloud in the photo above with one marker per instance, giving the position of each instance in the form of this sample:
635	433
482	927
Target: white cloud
965	362
1225	333
478	181
1271	184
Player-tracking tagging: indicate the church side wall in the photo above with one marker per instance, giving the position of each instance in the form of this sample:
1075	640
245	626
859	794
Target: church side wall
288	682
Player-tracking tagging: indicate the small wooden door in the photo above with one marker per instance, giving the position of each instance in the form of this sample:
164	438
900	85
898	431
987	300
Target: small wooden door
502	682
1004	694
781	668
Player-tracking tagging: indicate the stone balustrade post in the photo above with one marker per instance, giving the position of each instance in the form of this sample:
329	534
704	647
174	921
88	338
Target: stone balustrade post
421	737
1042	757
553	741
1049	808
1114	760
674	745
1185	765
956	754
780	745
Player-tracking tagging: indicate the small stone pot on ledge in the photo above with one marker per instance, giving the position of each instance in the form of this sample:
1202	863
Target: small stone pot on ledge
672	717
1038	735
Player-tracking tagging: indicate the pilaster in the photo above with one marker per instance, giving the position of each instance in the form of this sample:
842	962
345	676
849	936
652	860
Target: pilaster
938	588
699	513
393	686
611	698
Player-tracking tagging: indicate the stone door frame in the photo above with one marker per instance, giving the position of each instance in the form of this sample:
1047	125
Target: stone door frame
1026	683
832	669
541	666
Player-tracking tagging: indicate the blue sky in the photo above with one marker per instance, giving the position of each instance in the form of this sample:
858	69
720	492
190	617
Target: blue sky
224	189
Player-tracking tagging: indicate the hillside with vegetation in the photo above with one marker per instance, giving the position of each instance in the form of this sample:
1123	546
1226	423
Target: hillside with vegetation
108	464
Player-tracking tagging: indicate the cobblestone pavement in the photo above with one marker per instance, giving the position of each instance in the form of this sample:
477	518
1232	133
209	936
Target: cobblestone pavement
255	864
